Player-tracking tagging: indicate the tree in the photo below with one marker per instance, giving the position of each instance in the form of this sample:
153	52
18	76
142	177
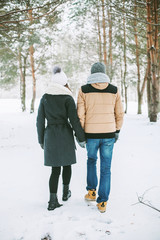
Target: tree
140	90
152	43
23	21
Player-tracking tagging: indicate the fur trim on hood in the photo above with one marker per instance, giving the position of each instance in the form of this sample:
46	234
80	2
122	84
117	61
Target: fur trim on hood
98	78
57	89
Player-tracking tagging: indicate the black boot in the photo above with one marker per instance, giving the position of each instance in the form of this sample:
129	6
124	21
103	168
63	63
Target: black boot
66	192
53	202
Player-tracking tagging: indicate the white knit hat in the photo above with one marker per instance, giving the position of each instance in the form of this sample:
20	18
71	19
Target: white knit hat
59	76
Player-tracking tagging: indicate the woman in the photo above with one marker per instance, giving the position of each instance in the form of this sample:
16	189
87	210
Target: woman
56	137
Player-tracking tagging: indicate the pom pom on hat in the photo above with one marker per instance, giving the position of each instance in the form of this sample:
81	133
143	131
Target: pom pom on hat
57	69
59	76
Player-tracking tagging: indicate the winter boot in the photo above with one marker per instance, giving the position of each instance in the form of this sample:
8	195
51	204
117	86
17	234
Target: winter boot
102	206
53	202
66	192
91	196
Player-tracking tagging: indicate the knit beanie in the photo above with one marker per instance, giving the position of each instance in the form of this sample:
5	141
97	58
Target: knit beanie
98	67
98	74
59	76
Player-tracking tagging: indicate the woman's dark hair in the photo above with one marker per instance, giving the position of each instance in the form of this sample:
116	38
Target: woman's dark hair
67	86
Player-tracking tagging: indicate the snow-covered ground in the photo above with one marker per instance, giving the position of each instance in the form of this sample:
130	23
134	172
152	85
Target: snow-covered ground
24	184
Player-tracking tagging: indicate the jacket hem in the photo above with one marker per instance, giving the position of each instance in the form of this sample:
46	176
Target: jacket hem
100	135
57	165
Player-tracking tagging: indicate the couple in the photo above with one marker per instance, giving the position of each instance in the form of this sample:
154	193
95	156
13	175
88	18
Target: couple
96	123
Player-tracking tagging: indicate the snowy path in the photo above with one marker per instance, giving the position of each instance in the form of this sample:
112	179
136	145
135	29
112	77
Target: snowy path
24	185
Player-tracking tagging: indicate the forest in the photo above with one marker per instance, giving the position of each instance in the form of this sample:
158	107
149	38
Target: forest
123	34
36	35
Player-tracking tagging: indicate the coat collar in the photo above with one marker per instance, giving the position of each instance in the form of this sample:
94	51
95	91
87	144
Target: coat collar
57	89
100	86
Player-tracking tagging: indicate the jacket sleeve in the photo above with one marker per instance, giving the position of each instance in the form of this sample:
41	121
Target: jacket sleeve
74	120
41	122
81	108
119	112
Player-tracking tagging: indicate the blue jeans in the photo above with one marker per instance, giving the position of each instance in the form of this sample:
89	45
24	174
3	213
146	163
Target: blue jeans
105	146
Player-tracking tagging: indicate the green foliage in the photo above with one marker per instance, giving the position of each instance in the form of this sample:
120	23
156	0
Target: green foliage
69	35
18	35
8	68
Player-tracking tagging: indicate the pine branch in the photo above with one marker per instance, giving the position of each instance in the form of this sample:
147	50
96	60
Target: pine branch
28	19
129	14
27	9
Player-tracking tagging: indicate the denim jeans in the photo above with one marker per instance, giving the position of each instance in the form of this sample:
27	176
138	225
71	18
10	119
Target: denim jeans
105	147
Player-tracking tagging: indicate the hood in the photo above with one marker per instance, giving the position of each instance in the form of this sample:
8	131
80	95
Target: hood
57	89
98	78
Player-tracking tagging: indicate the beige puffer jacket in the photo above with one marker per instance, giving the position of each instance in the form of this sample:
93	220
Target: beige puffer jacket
100	110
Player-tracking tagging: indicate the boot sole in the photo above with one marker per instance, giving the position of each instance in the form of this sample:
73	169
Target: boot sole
102	211
51	209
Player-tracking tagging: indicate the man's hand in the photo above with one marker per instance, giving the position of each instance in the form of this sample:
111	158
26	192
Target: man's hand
116	137
81	144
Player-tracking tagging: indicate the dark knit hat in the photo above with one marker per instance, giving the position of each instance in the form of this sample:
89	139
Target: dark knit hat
98	67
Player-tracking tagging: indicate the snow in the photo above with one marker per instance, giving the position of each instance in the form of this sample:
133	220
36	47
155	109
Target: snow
24	184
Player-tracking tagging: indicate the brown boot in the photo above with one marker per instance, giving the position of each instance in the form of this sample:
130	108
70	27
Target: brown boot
91	196
102	206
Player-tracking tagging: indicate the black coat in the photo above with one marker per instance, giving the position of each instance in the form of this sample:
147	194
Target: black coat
56	132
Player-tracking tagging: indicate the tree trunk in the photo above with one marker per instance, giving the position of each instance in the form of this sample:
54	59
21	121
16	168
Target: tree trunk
99	34
22	81
31	52
152	45
104	34
140	96
148	75
149	87
139	103
125	62
110	44
156	8
159	80
137	60
122	83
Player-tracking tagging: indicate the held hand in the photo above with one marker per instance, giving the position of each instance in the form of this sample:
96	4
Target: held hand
116	137
81	144
42	145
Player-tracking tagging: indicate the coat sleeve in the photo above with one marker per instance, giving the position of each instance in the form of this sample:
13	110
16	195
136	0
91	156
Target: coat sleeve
119	112
74	120
81	108
41	122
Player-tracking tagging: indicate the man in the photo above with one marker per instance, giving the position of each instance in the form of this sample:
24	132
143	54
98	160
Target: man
101	114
